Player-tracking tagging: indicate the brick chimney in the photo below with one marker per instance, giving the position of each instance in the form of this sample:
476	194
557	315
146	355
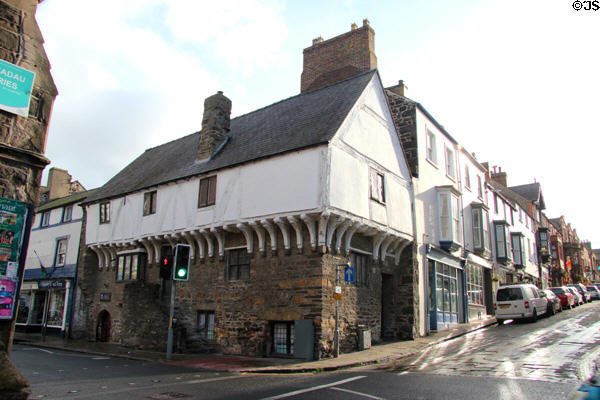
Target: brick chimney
334	60
398	89
215	125
498	176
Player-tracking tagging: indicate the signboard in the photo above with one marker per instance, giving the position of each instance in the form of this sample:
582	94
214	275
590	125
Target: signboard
15	88
52	284
13	220
349	274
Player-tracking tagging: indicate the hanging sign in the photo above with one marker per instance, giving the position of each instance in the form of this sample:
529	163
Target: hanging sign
15	88
13	217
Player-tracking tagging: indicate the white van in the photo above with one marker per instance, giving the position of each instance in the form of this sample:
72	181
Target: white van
519	302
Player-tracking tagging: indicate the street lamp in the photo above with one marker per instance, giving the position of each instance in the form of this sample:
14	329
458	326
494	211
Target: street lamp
337	295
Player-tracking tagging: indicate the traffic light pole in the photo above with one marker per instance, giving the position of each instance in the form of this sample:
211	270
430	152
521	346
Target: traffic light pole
171	312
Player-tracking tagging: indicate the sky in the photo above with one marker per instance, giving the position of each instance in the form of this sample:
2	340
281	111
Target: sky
514	81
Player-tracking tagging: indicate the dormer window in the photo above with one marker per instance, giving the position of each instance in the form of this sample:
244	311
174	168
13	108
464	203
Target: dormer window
481	234
502	235
518	251
449	214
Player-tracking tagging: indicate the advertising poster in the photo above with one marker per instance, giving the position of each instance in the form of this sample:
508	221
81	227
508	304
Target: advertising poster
15	88
13	217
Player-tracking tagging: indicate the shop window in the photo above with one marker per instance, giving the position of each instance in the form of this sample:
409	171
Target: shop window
283	337
207	193
206	324
150	203
238	265
475	284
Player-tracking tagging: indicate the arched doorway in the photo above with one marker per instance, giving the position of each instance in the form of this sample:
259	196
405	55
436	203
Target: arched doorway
103	327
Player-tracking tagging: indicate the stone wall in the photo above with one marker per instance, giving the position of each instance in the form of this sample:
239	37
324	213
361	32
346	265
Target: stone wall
405	119
284	286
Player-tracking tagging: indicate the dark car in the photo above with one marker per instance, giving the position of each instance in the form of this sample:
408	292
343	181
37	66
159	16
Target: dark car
567	299
554	305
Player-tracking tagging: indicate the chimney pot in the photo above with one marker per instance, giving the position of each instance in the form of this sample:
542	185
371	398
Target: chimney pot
353	26
317	40
366	22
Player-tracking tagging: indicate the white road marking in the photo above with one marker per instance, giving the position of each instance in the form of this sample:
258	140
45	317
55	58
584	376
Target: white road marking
368	396
314	388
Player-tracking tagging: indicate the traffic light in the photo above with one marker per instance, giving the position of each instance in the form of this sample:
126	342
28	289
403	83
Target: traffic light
166	267
182	262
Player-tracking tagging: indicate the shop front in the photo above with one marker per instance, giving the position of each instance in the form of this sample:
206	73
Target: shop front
446	299
43	307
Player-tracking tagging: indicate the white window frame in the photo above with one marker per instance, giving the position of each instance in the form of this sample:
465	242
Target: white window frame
518	250
45	219
377	186
467	177
431	147
481	230
60	255
67	215
449	216
450	163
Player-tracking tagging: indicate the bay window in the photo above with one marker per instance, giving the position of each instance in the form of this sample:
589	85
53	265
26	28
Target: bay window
503	250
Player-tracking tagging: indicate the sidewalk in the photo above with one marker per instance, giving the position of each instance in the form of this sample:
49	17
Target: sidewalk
231	363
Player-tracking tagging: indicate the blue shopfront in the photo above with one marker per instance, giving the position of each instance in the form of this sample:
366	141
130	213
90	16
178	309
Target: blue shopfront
446	277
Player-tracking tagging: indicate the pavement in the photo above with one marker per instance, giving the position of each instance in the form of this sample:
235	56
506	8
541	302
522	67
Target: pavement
232	363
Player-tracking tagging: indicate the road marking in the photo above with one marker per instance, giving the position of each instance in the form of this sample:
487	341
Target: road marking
101	358
312	389
368	396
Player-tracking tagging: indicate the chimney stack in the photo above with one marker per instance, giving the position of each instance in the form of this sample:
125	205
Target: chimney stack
399	88
499	177
215	125
334	60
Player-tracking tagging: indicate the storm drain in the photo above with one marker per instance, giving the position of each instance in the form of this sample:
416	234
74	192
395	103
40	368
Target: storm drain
168	396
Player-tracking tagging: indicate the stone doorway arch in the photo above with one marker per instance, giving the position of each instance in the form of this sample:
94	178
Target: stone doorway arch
103	327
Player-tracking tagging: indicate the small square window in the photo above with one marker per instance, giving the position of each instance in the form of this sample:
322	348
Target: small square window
67	214
150	203
207	193
238	265
104	213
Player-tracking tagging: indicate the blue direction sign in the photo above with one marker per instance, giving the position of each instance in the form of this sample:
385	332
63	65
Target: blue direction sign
349	274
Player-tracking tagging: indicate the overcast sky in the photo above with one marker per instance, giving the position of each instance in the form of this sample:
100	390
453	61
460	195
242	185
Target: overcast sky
514	81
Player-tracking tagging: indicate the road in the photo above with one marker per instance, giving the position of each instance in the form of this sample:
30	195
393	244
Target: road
543	360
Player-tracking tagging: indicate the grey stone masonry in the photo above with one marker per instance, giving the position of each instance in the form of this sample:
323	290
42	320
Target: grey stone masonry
405	119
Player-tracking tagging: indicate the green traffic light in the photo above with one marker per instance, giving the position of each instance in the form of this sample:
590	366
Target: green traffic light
181	272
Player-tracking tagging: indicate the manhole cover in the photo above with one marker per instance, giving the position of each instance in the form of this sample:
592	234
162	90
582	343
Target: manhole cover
168	396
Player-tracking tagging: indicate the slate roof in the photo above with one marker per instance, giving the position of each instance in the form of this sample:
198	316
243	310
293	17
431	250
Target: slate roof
302	121
63	201
530	191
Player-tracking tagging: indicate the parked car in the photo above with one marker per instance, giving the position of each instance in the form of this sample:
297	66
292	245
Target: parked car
582	289
553	301
521	301
567	299
594	292
578	296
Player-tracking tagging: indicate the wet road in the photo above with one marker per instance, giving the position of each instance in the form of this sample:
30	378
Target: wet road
562	348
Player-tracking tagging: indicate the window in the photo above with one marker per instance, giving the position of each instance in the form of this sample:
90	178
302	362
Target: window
129	267
479	187
67	214
450	224
518	250
377	189
61	253
207	193
45	219
495	203
503	251
450	166
480	229
238	265
150	203
206	324
554	252
283	337
475	284
431	147
467	177
361	264
105	213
